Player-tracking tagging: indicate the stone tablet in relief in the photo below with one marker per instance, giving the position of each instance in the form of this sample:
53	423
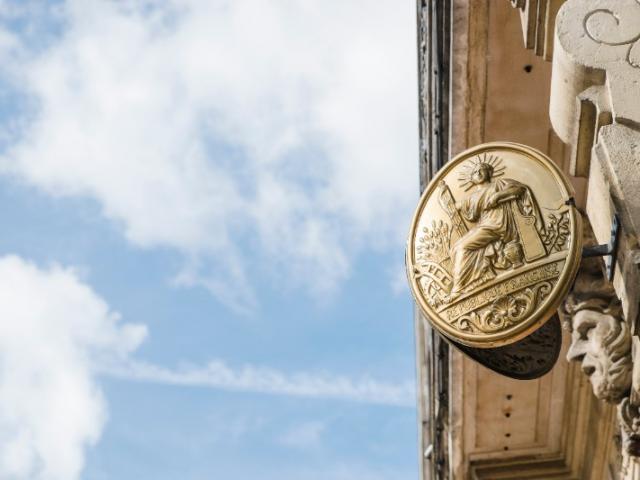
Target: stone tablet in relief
494	245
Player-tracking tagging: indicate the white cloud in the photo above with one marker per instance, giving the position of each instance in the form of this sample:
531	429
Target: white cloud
256	379
57	335
53	329
242	133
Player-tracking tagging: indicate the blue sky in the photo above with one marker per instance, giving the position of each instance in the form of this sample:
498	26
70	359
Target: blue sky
204	205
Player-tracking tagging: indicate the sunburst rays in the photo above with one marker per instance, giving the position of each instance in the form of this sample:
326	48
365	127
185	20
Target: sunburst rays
464	178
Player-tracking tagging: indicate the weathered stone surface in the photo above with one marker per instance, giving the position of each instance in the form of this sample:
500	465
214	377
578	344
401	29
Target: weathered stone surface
601	342
619	152
614	185
595	107
552	427
600	338
596	43
629	418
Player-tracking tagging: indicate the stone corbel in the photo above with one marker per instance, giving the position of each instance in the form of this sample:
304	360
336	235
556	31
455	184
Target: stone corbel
596	44
601	342
595	107
600	337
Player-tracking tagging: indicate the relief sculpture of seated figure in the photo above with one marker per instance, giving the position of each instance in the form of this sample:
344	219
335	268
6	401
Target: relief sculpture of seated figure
498	239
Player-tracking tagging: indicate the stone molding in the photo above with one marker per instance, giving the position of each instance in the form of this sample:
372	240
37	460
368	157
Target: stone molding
538	22
588	426
596	70
601	342
595	108
614	188
434	55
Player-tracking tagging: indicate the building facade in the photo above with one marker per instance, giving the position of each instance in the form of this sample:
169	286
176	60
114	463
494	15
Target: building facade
562	76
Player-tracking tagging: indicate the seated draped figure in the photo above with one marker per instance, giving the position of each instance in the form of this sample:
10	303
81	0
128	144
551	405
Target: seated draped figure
495	240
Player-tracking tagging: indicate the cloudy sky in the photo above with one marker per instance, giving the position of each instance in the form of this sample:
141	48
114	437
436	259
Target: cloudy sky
204	205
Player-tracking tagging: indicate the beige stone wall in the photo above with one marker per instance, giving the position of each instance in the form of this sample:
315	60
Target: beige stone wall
553	427
595	108
563	77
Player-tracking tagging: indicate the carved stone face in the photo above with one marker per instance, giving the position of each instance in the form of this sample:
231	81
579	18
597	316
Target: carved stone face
601	342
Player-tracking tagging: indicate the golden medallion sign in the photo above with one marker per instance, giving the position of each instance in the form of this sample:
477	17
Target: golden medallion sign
494	245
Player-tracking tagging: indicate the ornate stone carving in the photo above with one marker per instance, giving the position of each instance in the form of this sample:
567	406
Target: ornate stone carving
595	44
606	26
595	72
629	419
601	342
595	107
600	338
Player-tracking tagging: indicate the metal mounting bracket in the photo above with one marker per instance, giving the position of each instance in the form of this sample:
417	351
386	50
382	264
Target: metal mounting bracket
607	250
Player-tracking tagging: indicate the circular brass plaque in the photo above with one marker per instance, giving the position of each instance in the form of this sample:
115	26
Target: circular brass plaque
494	245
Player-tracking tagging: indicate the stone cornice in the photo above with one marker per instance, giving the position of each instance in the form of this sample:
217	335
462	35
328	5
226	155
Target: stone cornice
538	21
